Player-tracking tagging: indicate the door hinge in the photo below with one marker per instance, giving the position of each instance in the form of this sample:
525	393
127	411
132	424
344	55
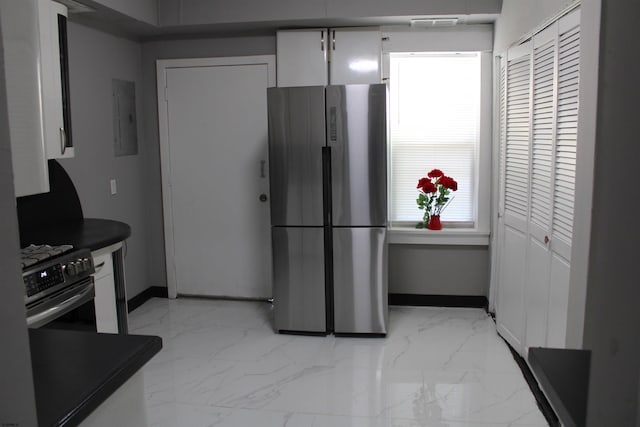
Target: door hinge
166	92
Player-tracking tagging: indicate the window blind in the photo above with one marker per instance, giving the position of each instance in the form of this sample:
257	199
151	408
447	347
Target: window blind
434	123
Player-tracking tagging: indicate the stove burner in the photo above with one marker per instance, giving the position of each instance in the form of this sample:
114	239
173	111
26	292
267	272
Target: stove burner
34	254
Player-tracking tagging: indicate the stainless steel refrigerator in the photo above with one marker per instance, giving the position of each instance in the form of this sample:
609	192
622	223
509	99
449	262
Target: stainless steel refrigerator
328	185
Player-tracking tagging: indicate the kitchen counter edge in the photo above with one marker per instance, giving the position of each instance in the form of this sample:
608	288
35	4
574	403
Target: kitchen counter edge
74	372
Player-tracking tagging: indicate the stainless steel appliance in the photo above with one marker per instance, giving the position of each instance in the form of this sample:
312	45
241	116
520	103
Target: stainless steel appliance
59	290
328	182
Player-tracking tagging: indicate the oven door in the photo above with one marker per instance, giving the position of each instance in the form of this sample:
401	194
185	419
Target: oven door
71	308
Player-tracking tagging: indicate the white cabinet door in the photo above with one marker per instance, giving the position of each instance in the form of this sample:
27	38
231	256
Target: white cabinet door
318	57
105	288
355	56
302	58
56	134
21	46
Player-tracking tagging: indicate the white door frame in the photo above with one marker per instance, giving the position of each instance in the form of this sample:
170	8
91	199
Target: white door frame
162	66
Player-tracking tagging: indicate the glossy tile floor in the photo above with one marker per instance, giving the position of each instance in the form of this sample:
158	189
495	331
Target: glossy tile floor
222	365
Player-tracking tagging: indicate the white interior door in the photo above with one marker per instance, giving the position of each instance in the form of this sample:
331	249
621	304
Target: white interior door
510	304
542	144
564	176
214	123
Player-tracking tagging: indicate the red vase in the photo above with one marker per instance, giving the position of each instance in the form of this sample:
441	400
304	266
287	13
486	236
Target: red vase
434	223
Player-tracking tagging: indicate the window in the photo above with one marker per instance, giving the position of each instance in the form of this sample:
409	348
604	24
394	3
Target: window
434	123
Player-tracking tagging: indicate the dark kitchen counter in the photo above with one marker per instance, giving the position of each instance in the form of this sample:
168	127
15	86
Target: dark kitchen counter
74	372
563	376
91	233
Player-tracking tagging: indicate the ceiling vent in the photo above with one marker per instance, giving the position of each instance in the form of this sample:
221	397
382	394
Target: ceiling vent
434	22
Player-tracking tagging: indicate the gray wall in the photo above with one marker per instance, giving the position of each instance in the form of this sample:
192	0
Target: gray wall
612	318
406	269
95	58
17	400
439	270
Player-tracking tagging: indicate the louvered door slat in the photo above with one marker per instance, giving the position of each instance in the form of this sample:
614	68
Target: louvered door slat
503	120
542	141
517	136
566	134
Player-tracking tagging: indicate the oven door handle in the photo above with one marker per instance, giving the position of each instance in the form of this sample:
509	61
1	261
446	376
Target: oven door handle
44	317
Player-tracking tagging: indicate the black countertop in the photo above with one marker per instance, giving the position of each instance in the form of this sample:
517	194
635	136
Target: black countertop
91	233
563	375
74	372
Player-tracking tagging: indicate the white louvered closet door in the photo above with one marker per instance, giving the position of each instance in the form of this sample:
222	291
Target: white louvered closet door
538	92
564	160
510	308
543	120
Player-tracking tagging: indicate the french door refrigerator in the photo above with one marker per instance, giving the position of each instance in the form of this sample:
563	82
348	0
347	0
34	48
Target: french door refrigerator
328	185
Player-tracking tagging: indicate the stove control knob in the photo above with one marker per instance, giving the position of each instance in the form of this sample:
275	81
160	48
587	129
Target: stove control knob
71	269
80	266
86	264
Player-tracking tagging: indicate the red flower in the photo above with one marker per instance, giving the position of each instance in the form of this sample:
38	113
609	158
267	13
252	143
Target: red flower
422	182
428	187
436	173
448	182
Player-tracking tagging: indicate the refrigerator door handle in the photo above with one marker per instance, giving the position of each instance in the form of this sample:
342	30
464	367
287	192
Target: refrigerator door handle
326	184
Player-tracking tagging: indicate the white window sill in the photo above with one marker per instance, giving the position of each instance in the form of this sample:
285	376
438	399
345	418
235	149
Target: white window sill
447	236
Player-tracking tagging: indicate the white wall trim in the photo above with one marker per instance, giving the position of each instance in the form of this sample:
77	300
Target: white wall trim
162	66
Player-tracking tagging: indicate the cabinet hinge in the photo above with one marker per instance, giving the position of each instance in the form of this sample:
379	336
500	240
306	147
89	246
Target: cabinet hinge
166	92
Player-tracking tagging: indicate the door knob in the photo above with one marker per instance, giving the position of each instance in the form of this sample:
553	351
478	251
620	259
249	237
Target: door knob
263	197
546	240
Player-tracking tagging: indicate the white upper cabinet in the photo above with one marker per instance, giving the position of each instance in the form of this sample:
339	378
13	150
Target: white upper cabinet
329	56
355	56
21	48
302	58
55	79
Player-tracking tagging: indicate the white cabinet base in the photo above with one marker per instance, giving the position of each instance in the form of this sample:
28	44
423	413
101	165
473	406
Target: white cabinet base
124	408
105	287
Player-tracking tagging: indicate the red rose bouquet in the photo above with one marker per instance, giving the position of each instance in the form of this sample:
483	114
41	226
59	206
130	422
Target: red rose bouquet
434	195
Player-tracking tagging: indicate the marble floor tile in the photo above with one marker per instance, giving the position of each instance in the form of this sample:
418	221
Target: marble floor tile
223	365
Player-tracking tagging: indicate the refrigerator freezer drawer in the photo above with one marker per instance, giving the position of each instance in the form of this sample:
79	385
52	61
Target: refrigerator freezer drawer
299	285
360	280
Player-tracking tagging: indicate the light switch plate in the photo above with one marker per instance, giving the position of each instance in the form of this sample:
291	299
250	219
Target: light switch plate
114	188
